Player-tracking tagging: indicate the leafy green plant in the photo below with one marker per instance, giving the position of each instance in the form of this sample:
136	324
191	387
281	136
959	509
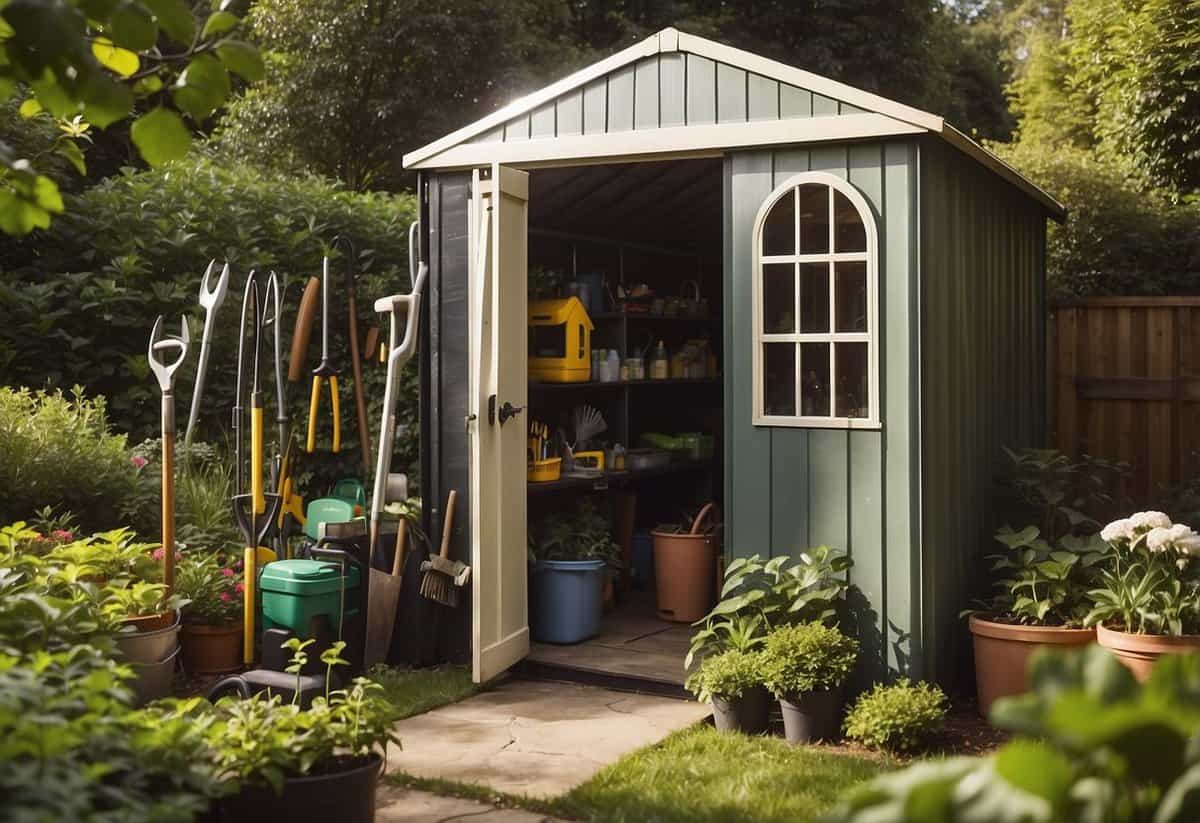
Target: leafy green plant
583	533
759	595
58	451
213	587
141	599
1091	745
726	676
807	657
898	717
1150	583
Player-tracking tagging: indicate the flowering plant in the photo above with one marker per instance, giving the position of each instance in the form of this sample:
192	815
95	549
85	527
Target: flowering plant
214	587
1150	583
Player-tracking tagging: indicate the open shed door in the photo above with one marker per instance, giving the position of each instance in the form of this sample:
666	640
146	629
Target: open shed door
498	238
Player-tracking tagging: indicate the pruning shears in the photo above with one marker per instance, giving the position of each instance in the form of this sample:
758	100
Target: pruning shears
325	371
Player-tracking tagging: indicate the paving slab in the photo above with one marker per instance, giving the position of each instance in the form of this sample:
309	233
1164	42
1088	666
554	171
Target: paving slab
539	739
394	804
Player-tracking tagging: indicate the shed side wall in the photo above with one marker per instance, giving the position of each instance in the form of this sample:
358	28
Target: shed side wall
788	489
982	324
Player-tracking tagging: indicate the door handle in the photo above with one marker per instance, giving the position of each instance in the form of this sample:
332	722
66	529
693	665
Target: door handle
508	410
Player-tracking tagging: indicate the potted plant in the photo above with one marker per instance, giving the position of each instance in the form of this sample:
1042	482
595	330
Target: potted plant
1041	577
571	553
211	635
805	666
732	682
685	557
320	763
1148	601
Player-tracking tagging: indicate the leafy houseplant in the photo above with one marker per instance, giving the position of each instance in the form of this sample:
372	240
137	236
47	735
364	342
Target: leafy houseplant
732	682
897	717
1147	602
1091	745
212	631
571	554
291	763
805	666
1041	578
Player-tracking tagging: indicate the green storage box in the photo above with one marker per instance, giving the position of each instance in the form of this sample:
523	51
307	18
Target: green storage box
295	592
326	510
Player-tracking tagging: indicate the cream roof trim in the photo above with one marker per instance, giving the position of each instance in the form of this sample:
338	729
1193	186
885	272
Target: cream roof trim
455	151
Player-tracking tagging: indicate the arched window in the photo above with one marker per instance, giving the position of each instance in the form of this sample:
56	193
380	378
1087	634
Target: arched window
815	314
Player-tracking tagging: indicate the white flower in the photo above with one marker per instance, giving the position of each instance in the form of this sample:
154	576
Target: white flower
1145	521
1186	541
1160	539
1117	530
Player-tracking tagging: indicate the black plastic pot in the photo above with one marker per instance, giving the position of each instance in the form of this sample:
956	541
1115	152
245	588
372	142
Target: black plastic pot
346	796
749	714
811	716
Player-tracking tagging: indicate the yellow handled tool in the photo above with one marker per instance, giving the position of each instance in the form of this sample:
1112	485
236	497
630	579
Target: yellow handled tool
325	371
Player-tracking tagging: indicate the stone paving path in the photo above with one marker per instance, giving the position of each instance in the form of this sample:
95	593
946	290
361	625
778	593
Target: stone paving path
538	739
398	805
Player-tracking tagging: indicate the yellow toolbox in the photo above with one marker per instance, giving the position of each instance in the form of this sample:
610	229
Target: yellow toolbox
560	341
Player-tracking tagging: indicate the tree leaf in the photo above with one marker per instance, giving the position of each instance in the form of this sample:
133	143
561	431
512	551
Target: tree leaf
175	18
74	155
112	57
30	108
203	87
105	100
242	59
132	26
219	23
160	136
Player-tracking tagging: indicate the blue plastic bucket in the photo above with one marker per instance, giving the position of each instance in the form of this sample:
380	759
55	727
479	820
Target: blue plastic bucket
642	551
567	600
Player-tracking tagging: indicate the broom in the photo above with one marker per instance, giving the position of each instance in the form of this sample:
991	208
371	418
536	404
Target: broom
444	577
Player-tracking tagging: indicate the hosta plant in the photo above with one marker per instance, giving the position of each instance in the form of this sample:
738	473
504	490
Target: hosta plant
808	657
1091	745
759	595
898	717
1151	580
726	676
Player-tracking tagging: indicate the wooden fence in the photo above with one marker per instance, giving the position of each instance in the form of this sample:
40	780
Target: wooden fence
1124	384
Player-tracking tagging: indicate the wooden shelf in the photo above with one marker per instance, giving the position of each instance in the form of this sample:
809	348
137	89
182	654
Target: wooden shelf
633	315
612	384
609	479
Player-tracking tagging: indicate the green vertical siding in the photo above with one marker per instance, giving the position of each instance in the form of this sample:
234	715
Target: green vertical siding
982	377
788	489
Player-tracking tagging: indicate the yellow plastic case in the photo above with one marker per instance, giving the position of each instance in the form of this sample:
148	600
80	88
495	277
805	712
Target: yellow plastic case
563	326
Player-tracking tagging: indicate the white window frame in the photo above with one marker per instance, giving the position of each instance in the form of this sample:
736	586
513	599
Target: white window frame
870	337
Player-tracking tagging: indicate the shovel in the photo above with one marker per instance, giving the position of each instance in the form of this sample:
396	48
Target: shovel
382	601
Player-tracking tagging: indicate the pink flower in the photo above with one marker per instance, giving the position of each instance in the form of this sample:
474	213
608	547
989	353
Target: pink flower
138	462
159	553
226	597
227	572
239	588
62	534
238	565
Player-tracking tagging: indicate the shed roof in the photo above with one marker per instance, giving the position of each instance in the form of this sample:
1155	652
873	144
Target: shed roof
676	94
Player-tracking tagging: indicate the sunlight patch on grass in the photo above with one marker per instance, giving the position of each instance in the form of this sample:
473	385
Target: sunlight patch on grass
414	691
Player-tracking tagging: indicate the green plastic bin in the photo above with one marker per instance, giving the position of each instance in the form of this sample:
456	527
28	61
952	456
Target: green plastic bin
297	592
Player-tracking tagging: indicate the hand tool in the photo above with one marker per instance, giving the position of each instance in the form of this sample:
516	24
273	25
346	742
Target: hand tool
303	330
210	300
383	596
371	348
360	401
324	371
164	371
400	351
283	464
255	511
443	576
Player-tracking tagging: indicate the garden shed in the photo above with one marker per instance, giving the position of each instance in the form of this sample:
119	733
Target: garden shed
866	284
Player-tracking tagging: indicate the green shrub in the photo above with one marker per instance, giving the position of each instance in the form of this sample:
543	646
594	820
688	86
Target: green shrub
81	297
896	717
727	676
56	450
809	657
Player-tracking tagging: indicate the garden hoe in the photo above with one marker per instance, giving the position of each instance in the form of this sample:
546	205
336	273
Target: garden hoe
384	589
360	401
159	350
210	300
255	511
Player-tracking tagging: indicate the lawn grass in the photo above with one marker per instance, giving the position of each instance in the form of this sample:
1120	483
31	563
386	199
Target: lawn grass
413	691
701	776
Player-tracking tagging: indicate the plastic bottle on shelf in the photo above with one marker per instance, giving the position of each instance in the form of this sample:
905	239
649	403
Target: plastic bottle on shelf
659	362
612	366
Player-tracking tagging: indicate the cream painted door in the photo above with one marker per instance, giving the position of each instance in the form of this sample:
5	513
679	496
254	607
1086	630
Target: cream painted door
498	237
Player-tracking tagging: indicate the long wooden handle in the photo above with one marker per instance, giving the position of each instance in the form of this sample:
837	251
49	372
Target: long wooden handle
360	400
447	522
303	331
399	553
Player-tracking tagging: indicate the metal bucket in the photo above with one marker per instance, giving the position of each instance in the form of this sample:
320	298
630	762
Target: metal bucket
149	647
153	680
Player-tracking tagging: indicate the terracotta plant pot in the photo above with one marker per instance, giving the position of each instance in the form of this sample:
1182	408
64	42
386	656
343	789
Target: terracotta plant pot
1139	652
1002	652
151	622
211	649
683	572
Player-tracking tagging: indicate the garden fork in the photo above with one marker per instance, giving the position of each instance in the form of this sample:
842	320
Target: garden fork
210	300
160	349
